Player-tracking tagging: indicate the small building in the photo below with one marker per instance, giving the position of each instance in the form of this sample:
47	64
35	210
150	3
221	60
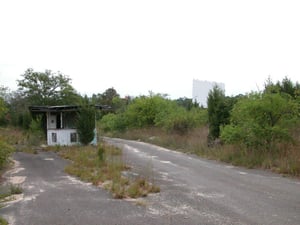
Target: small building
61	123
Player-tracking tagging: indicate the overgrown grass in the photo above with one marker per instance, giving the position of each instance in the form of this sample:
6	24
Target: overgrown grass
3	221
8	192
285	159
103	166
12	135
11	190
21	140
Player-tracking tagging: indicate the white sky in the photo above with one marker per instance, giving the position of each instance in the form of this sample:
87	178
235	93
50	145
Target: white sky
137	46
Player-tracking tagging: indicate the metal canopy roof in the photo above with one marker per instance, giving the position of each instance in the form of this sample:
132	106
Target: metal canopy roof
63	108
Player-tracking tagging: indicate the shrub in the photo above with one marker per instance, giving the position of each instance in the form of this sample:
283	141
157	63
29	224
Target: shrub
261	121
5	151
218	108
101	151
3	221
86	124
113	122
36	133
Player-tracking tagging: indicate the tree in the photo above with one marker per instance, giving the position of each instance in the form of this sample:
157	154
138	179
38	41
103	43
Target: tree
5	151
86	122
285	87
18	110
186	103
3	110
218	112
47	88
4	97
106	98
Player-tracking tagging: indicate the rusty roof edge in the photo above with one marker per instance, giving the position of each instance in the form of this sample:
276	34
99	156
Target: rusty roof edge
63	108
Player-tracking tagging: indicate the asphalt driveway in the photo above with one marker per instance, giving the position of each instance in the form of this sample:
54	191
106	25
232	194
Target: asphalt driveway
51	197
193	191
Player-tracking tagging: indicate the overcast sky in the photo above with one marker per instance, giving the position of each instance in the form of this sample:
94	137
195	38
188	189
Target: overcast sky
138	46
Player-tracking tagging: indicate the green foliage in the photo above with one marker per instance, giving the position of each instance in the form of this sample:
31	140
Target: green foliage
36	133
187	103
3	111
5	151
157	111
101	151
86	123
3	221
35	126
179	120
15	189
107	173
108	96
113	122
260	121
111	98
47	88
17	114
285	87
24	120
218	111
143	110
3	108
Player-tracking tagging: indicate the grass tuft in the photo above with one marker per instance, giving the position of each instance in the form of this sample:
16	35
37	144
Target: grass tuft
103	166
3	221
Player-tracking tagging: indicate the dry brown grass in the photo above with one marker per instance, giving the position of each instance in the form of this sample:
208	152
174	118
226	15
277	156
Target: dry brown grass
192	142
13	136
285	159
104	170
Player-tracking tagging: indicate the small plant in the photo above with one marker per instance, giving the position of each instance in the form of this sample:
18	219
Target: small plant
5	151
3	221
15	190
101	151
133	190
103	166
36	133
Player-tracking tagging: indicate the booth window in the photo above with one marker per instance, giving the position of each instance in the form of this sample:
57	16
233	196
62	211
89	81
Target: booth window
73	137
54	137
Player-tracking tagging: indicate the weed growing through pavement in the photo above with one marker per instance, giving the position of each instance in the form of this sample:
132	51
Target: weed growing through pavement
3	221
8	194
103	166
12	190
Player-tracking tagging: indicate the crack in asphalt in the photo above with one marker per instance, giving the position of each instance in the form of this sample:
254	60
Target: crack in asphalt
193	191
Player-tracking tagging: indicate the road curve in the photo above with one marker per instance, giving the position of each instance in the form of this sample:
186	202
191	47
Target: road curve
198	191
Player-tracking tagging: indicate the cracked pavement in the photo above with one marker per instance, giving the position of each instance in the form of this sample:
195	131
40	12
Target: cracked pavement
193	191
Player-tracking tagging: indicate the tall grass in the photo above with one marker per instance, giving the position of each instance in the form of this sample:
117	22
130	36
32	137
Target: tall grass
3	221
103	166
12	135
284	159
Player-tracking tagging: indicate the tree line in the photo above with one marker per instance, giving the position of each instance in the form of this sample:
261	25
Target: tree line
257	121
265	122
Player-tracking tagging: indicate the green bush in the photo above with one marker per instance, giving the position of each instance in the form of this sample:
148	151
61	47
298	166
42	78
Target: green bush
218	107
36	133
155	111
101	151
3	221
86	123
261	121
175	121
113	122
5	151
